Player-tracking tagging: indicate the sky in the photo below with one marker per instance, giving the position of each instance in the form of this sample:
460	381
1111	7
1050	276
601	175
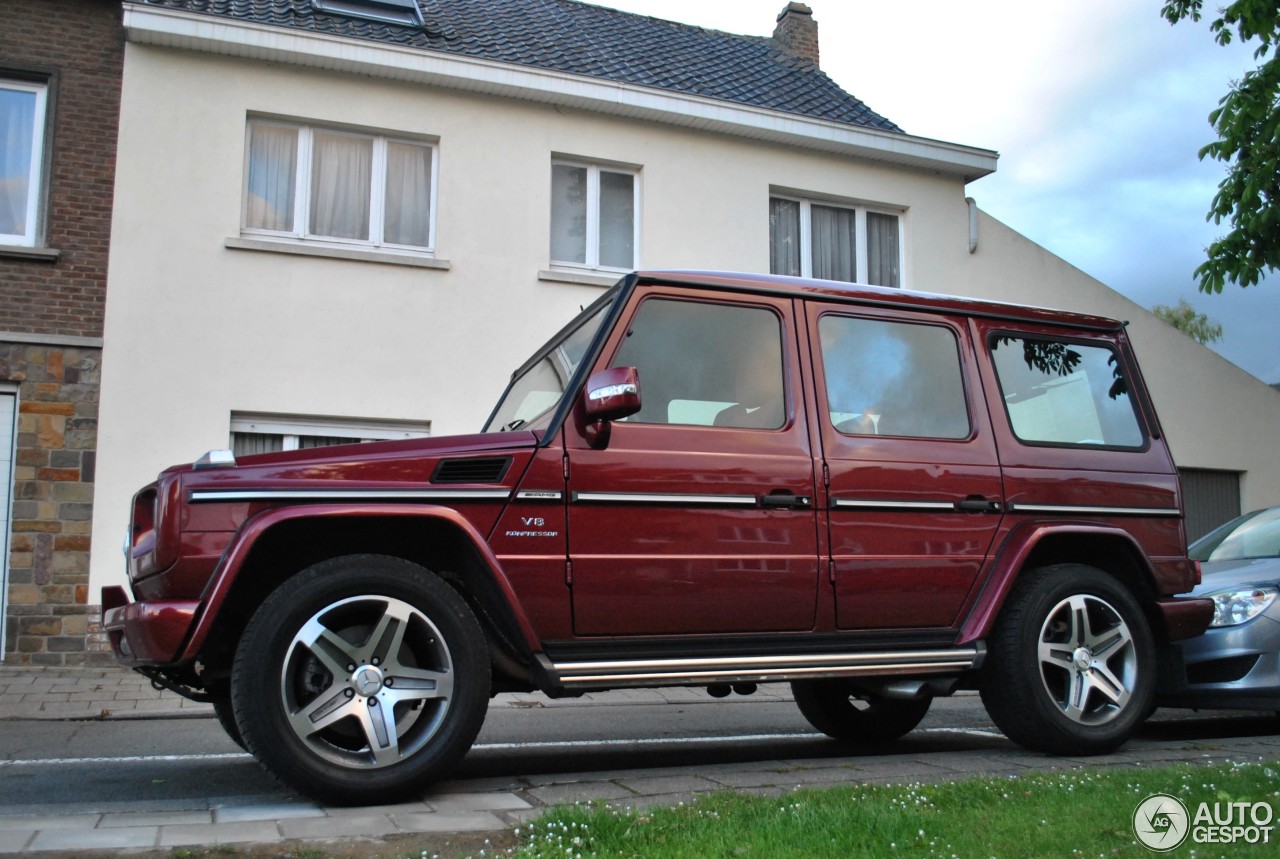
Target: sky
1098	109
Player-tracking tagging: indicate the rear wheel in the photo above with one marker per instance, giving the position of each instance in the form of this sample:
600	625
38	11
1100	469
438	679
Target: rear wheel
361	679
838	709
1071	663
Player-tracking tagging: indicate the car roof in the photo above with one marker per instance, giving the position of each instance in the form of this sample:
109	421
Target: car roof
878	296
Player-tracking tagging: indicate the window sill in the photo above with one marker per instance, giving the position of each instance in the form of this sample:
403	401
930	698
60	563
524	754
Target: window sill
355	254
581	278
37	254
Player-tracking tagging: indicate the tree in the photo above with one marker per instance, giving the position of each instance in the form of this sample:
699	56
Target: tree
1248	127
1197	326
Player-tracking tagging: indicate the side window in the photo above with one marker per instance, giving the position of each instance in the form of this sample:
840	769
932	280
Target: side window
22	148
1063	393
893	378
706	364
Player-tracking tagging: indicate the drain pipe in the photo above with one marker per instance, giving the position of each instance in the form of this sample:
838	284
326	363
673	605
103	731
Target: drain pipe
973	224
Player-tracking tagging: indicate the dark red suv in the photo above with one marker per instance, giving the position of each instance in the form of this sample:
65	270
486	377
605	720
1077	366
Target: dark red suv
705	479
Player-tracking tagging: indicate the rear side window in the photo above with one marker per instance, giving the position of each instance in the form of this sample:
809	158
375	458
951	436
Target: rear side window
893	378
1065	393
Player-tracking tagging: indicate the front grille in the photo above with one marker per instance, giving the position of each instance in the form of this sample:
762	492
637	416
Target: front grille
1226	670
486	469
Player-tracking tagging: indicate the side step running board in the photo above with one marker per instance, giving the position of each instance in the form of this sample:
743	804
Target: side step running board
762	669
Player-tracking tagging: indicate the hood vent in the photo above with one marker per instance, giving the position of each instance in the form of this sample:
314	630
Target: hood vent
485	469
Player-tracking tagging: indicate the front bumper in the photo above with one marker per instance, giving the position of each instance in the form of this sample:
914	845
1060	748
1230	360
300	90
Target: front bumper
1230	667
146	633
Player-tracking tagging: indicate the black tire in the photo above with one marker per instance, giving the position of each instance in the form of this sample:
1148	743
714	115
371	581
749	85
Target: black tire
227	719
385	657
1071	665
838	709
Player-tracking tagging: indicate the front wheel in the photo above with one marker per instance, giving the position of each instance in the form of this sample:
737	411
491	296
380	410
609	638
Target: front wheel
360	679
840	710
1071	665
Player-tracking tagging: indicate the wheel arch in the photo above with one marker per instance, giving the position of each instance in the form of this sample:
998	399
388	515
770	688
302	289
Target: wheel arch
277	544
1035	545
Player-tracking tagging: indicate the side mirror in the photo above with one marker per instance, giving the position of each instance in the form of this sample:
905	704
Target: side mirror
613	394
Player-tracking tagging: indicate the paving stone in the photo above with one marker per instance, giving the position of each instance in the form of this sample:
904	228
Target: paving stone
585	791
332	827
154	818
260	811
14	840
670	784
94	839
451	802
365	810
475	821
253	832
48	821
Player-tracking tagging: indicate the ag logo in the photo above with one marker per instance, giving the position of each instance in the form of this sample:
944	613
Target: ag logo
1161	822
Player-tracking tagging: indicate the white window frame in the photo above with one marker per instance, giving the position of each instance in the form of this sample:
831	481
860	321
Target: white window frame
36	176
292	428
860	233
377	191
593	169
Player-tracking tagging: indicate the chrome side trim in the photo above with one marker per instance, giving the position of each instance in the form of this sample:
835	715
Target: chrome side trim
884	504
648	672
1093	511
539	495
203	495
663	498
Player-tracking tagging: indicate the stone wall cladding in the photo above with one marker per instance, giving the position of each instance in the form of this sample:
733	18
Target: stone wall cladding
51	314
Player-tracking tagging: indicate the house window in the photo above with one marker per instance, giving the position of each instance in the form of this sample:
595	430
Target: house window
268	433
808	238
313	183
22	143
593	216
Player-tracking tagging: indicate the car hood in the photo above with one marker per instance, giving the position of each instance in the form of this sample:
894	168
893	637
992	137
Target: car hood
1237	571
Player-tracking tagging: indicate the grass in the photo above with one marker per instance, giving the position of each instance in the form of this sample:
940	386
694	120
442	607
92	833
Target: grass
1081	813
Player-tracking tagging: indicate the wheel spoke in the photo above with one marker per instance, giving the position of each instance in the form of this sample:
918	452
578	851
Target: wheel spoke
428	684
330	707
1077	695
1079	621
379	726
334	652
1110	643
1109	685
1052	653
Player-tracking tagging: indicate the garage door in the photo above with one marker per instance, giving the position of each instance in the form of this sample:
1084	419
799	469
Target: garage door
8	408
1210	498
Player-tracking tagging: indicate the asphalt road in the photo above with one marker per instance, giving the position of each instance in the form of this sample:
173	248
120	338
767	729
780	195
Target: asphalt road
66	766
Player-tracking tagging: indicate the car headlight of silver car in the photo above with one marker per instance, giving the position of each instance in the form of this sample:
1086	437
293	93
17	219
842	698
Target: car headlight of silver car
1235	606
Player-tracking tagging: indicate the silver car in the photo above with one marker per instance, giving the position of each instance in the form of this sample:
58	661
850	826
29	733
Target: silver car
1236	663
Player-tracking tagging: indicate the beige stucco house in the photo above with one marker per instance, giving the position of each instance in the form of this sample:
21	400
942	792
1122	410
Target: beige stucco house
353	219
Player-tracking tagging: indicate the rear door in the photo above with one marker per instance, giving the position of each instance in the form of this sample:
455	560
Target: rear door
698	515
914	488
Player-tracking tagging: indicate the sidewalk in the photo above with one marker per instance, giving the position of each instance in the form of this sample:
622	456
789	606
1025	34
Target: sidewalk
480	805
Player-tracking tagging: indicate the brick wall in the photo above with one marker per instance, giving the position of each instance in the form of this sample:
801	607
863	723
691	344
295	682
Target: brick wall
51	312
82	42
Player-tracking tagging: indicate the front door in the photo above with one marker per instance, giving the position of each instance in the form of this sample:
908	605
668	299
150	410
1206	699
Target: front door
915	494
698	514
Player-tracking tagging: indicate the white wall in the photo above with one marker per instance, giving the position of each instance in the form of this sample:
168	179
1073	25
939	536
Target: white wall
195	330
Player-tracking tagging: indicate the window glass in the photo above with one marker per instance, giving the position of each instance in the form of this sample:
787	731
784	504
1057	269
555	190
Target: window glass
21	156
264	433
883	255
893	378
706	364
784	237
407	213
617	219
1064	393
568	213
341	170
273	171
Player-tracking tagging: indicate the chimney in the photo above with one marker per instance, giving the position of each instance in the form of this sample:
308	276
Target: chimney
797	32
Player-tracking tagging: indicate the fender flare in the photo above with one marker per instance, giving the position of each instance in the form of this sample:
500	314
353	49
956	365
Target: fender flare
1011	557
242	544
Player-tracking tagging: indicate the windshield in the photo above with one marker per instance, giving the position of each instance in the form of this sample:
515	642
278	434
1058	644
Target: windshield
532	396
1253	535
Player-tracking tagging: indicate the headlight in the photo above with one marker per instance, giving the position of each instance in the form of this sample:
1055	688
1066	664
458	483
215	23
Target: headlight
1234	607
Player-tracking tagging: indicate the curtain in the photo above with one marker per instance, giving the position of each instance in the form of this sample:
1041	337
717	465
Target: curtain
617	219
784	237
17	131
834	243
249	443
882	250
273	169
568	213
341	177
407	219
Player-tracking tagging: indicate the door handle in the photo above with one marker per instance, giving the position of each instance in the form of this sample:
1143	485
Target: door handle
781	499
977	504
